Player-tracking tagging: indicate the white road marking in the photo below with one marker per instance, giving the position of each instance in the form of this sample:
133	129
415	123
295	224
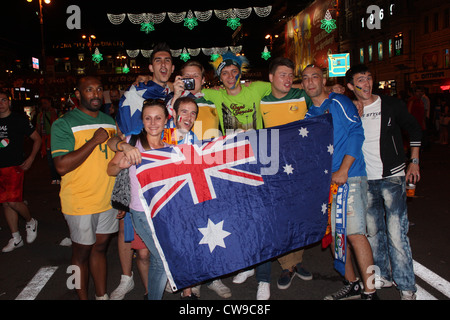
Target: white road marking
41	278
422	294
432	278
36	284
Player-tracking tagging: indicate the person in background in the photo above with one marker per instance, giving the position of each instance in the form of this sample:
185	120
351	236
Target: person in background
14	128
112	107
44	121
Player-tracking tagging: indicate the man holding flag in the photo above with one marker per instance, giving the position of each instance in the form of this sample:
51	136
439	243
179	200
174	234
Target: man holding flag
349	207
283	105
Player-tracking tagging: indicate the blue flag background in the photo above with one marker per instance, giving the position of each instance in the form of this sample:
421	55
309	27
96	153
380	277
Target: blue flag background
130	105
243	223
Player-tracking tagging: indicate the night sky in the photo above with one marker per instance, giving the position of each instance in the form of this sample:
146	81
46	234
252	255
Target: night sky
20	25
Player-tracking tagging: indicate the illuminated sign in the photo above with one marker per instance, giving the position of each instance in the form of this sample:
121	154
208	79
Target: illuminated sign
338	64
35	63
376	15
398	44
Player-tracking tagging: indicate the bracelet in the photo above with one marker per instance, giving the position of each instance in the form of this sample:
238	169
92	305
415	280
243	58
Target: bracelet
117	145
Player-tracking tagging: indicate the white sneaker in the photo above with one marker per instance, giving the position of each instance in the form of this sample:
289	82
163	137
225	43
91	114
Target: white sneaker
381	282
263	291
104	297
218	287
242	276
13	244
31	230
125	286
407	295
196	290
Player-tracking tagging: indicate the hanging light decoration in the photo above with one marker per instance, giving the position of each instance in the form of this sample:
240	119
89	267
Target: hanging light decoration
328	24
265	54
97	56
190	21
185	55
233	16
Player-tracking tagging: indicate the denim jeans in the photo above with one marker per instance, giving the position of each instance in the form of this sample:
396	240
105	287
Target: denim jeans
387	227
263	271
156	275
356	206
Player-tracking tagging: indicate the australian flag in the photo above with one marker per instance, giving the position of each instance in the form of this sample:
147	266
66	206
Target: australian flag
130	105
238	200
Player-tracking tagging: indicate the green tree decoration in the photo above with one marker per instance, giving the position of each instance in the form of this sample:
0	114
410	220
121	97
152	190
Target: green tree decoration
190	21
97	56
233	23
328	24
215	56
185	55
125	69
265	54
147	27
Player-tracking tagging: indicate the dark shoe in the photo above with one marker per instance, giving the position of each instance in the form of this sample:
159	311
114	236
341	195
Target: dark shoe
285	279
302	273
369	296
350	291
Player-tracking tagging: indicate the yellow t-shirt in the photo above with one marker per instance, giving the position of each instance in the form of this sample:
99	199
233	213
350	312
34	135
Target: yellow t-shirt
88	188
207	124
293	107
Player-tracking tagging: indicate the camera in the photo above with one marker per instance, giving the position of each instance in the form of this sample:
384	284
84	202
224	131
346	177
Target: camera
189	83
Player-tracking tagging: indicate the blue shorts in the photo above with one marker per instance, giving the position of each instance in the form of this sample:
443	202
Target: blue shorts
356	206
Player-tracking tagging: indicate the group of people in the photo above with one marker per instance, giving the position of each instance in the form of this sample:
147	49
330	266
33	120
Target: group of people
90	148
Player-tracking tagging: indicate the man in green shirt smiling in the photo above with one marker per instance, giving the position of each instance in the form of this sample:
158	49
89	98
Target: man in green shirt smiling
237	105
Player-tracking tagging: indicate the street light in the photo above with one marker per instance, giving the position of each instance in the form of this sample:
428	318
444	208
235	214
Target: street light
269	36
41	21
90	38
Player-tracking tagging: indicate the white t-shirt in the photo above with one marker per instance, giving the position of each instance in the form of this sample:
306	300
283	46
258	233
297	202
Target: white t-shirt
371	121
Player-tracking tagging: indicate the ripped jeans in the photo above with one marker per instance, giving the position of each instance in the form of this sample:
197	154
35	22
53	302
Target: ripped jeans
387	227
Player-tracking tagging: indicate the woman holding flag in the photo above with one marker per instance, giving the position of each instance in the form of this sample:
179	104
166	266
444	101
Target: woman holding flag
154	117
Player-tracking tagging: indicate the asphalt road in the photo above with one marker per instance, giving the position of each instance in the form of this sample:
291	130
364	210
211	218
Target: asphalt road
429	237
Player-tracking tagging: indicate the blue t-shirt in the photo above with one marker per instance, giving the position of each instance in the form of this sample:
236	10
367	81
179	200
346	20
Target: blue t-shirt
348	131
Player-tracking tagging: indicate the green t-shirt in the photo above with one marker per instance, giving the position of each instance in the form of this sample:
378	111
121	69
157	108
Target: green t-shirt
290	108
242	110
88	188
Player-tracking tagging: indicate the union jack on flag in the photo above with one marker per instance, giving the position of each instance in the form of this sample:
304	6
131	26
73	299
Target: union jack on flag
214	208
193	165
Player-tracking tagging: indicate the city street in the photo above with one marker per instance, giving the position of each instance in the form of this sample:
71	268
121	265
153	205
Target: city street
39	271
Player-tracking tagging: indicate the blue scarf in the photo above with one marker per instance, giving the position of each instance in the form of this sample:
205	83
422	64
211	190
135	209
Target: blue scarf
340	234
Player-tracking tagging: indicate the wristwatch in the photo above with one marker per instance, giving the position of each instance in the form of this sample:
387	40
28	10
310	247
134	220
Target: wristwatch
415	160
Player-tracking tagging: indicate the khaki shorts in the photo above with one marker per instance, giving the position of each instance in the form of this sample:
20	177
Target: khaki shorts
83	229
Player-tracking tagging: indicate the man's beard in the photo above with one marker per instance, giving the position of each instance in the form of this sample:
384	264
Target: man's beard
87	104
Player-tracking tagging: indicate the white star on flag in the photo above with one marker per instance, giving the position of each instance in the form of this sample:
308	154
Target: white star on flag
330	148
288	169
303	132
324	208
134	99
213	235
